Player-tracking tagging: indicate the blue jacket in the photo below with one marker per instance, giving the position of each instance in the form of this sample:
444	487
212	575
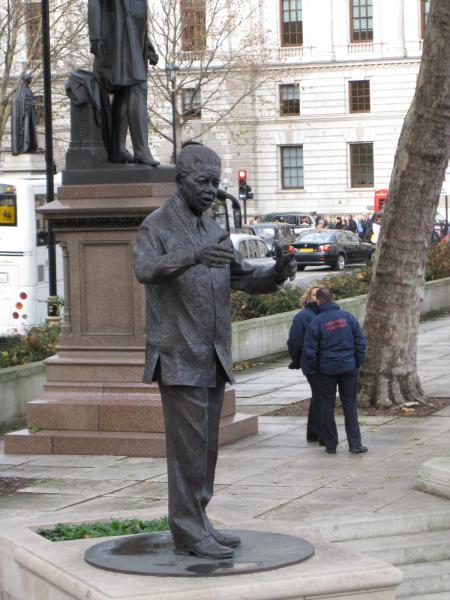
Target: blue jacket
334	342
297	332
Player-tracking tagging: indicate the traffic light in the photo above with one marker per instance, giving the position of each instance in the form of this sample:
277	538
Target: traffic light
242	176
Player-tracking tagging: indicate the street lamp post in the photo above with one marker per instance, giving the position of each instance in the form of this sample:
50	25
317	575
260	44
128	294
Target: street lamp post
172	71
52	310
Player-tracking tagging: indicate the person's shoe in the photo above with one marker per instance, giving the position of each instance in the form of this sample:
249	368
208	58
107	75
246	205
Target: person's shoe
321	443
223	538
312	438
358	450
330	450
206	548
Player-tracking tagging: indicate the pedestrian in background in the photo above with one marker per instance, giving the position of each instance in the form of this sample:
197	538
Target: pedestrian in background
339	224
295	344
333	350
360	227
351	224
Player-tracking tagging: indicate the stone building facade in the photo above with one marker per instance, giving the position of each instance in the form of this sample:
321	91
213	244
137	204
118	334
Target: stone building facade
320	132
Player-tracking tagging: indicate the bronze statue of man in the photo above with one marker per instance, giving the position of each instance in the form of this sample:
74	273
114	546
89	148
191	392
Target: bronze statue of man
188	266
119	42
23	119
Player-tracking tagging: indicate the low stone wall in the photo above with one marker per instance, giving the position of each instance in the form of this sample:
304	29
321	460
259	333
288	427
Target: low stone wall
266	336
18	385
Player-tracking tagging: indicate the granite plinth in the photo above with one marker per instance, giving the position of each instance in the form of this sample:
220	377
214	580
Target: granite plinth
93	401
91	410
115	443
23	165
120	173
154	554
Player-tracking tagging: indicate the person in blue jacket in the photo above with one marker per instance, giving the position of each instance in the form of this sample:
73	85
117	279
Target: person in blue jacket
295	345
334	349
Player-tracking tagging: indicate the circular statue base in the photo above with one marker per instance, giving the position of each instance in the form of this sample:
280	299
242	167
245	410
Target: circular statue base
154	554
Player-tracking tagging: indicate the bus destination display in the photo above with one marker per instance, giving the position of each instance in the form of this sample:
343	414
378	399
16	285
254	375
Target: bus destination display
8	205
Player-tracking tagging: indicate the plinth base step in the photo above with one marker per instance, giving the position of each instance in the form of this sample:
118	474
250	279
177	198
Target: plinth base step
121	413
49	441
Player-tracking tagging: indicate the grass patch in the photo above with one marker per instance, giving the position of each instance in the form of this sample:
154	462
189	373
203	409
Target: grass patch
81	531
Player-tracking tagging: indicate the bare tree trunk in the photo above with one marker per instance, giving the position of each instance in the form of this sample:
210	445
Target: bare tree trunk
389	375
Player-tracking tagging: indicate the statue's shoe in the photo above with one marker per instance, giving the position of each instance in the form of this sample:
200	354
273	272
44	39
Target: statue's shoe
146	159
206	548
122	157
226	539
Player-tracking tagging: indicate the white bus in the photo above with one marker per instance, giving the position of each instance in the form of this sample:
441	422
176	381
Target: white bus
23	255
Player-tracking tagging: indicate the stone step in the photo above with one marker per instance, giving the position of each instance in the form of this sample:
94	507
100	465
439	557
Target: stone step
425	578
434	476
107	413
370	526
438	596
115	443
403	549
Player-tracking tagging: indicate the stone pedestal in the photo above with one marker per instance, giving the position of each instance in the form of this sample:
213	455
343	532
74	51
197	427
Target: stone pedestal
93	401
23	165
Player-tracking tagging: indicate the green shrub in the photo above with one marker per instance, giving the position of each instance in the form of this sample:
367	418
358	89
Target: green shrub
62	532
38	344
438	264
348	283
244	306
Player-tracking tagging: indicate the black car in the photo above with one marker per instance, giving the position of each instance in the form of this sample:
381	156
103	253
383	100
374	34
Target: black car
271	232
299	220
336	249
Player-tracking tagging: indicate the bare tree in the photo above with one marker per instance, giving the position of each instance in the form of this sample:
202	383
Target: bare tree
20	45
389	375
219	57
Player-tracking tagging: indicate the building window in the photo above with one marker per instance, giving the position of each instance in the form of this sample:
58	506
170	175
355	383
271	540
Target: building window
33	16
192	103
361	19
291	23
39	104
291	167
290	99
359	94
361	165
193	25
424	12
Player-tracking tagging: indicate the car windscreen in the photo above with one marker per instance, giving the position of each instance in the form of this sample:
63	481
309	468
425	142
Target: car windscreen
264	231
318	237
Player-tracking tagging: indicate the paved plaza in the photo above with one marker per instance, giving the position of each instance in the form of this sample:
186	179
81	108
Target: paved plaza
273	476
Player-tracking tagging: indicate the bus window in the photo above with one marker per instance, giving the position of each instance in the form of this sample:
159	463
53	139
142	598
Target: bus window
8	205
41	228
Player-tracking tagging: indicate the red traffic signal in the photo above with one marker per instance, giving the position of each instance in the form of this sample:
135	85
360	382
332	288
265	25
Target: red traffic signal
242	175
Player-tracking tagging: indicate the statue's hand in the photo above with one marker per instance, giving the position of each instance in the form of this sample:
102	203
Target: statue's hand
214	254
97	48
153	57
285	265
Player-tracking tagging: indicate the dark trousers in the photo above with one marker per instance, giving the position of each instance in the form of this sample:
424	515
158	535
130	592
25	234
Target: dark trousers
347	385
191	416
314	428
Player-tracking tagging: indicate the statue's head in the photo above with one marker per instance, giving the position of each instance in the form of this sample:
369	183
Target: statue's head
198	175
26	78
